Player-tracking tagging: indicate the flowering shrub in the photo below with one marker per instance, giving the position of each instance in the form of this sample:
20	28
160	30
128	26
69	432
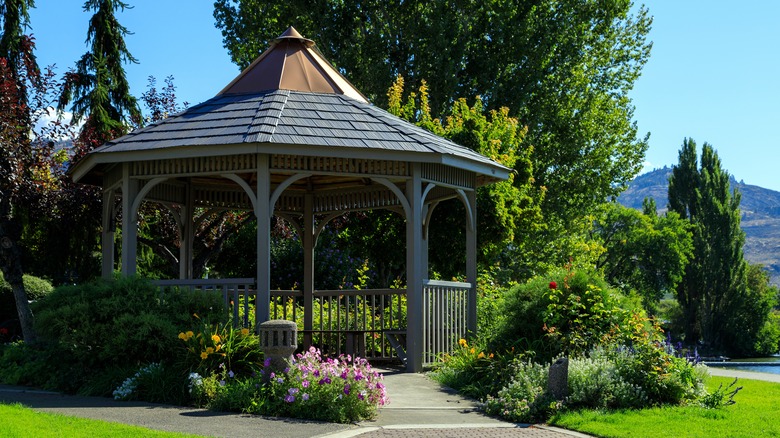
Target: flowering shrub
525	399
126	389
338	390
473	371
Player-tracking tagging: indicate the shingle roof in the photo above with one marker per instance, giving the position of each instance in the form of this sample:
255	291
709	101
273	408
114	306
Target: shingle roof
289	118
290	100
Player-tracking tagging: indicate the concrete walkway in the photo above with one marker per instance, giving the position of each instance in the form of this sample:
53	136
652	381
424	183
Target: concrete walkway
418	408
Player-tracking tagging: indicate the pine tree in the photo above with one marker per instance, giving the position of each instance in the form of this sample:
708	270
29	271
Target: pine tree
98	88
715	280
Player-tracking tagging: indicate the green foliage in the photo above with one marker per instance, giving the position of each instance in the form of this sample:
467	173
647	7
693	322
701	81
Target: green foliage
106	325
768	341
751	328
472	371
721	397
98	88
505	207
644	253
35	288
525	399
213	348
563	68
569	311
155	383
725	302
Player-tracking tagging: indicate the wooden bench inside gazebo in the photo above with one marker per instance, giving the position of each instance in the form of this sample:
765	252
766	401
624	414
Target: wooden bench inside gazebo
291	137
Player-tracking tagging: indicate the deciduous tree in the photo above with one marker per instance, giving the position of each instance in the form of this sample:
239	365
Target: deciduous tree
715	284
563	68
644	252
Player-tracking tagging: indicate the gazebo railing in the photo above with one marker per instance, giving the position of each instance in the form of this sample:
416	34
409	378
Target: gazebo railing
445	313
370	323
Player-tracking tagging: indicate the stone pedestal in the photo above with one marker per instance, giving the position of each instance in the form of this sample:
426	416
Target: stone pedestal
558	380
278	340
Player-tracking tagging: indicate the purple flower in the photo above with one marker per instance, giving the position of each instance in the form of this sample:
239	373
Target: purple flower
231	374
279	380
267	362
324	381
305	383
287	370
289	398
221	383
292	391
346	389
305	397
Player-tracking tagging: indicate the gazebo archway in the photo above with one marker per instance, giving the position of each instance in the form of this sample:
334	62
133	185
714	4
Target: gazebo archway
291	137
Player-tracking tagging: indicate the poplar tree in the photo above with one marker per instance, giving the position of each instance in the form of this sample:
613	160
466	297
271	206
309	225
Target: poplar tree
715	280
98	88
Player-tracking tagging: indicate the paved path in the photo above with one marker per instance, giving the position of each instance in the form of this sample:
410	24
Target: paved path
418	408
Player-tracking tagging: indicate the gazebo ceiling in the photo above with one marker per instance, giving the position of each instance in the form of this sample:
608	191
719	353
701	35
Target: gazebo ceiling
289	103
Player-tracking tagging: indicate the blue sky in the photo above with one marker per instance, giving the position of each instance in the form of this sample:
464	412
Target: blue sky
714	72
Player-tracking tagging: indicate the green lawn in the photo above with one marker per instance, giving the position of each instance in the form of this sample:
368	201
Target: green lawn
19	421
756	414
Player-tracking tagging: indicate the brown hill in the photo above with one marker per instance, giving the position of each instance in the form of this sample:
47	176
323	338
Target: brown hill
760	215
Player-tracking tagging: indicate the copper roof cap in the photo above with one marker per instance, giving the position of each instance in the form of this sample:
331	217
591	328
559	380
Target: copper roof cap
292	63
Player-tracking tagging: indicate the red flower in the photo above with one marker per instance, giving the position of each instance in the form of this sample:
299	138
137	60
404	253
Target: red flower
553	285
3	331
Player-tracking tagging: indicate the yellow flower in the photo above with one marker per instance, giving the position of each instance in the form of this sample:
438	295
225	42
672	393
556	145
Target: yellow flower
182	336
462	343
190	334
491	356
204	355
209	350
472	350
481	355
244	331
215	338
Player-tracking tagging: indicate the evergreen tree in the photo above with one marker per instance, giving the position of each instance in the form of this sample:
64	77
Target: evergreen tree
715	281
98	88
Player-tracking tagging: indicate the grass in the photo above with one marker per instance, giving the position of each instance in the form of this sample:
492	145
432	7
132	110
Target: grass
754	415
19	421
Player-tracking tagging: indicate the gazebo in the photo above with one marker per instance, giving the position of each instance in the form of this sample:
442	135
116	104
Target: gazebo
291	137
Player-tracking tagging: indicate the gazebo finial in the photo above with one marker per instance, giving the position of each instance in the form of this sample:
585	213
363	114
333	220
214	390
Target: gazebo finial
291	33
292	62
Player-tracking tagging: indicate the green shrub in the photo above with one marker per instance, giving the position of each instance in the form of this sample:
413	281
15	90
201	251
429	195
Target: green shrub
473	371
525	399
566	312
120	324
36	288
156	383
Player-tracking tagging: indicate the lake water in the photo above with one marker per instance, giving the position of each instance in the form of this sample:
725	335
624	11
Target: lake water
759	365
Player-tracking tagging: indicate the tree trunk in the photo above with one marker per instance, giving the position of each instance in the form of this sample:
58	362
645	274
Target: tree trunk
11	265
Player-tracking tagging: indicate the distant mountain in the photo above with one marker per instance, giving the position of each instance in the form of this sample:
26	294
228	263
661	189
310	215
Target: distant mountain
760	214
